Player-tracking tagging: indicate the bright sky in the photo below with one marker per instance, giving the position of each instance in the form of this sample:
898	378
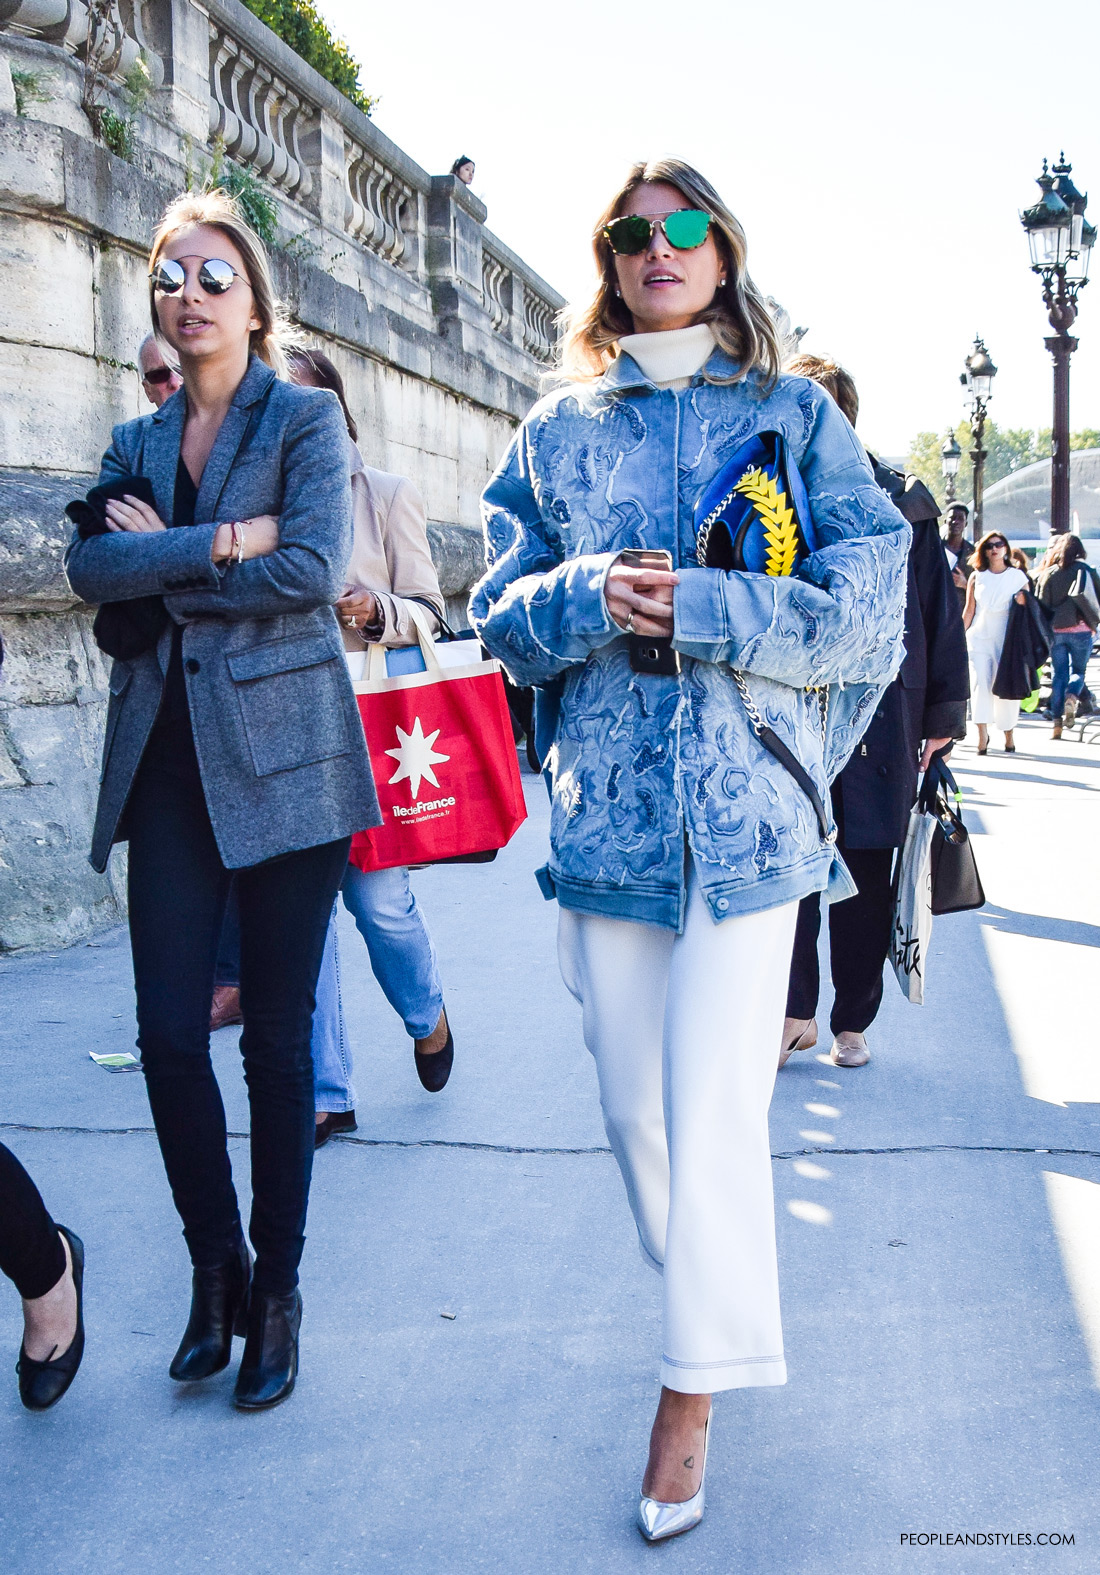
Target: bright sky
876	153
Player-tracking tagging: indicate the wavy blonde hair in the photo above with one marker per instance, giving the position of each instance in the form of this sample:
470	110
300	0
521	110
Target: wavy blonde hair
738	314
217	209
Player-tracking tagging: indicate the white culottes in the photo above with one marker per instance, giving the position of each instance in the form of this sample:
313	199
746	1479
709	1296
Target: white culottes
985	706
685	1031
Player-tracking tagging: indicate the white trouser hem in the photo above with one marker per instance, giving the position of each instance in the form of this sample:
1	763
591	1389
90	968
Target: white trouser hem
744	1372
649	1259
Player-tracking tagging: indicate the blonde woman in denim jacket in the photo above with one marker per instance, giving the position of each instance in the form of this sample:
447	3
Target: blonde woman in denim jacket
680	847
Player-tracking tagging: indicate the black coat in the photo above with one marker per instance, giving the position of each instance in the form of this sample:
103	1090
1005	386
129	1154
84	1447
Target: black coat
1026	648
876	790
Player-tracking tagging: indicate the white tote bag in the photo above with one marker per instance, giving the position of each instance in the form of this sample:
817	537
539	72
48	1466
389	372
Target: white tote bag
912	932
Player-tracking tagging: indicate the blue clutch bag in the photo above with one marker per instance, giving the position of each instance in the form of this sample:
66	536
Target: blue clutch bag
755	515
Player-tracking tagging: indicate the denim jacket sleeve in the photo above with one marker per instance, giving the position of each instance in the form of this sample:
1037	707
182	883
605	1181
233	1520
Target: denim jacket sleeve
539	612
842	618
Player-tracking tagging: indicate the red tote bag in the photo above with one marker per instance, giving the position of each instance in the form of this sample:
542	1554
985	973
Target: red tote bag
443	757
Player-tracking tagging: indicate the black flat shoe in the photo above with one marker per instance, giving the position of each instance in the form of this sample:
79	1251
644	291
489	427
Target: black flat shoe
219	1310
41	1384
269	1365
335	1121
434	1069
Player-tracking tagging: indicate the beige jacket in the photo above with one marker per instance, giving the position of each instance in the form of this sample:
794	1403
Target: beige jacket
389	553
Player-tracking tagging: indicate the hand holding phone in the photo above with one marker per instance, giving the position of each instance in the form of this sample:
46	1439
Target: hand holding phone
639	593
639	590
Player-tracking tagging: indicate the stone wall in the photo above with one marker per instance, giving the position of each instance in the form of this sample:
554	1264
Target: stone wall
439	330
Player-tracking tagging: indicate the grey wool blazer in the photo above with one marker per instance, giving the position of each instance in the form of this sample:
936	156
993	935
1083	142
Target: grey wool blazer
280	746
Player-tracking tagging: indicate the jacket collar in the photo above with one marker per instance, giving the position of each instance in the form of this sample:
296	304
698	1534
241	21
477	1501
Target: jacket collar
162	448
624	372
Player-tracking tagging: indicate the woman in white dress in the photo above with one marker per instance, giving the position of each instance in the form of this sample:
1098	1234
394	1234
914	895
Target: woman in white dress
989	595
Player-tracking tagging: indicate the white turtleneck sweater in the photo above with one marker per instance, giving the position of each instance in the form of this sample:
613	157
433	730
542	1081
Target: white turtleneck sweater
671	358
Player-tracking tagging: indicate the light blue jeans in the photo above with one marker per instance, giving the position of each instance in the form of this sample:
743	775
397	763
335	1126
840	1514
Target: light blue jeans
403	961
1066	651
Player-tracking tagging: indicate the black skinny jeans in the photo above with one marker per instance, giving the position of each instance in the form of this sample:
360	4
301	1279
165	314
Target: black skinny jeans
178	887
31	1253
859	941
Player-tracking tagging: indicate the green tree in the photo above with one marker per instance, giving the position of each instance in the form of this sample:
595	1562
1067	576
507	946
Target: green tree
299	24
923	461
1008	449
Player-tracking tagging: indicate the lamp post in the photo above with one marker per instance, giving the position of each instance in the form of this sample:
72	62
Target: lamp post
978	381
950	458
1061	241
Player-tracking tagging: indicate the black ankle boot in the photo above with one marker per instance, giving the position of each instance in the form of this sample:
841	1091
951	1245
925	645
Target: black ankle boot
269	1365
219	1310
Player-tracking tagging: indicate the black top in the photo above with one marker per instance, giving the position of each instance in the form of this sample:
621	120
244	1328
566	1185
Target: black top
171	745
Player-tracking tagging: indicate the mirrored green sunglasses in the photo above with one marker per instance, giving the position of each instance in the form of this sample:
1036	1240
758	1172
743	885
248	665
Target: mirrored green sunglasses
685	230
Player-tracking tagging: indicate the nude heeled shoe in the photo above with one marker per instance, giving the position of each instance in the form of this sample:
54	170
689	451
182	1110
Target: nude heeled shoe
803	1041
658	1521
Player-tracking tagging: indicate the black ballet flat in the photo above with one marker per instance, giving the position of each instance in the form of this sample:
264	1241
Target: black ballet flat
335	1121
219	1310
269	1365
433	1070
41	1384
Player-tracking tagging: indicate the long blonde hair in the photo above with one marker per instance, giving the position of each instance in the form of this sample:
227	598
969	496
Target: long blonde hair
275	335
738	314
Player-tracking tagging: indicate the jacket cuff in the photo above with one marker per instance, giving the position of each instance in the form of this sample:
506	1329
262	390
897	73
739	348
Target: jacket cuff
584	607
195	569
699	614
944	719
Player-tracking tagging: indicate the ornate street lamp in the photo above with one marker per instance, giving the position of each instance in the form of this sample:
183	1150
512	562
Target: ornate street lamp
978	381
950	458
1061	241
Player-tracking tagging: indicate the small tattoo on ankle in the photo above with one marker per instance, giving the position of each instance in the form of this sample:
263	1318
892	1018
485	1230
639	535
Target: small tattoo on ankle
689	1462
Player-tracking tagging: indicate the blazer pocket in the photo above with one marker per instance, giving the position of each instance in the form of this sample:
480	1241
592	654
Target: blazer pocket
292	701
117	685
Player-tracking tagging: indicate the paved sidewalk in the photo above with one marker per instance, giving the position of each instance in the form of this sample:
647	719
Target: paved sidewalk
939	1222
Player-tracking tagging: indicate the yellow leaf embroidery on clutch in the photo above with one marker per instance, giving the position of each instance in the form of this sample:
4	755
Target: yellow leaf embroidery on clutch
777	518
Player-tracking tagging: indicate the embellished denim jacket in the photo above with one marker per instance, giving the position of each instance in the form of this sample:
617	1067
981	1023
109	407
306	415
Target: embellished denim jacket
646	770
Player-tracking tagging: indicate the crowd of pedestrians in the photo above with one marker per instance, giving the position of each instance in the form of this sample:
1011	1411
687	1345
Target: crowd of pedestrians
724	739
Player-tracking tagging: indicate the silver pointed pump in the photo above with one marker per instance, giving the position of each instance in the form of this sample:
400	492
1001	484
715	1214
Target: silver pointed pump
657	1520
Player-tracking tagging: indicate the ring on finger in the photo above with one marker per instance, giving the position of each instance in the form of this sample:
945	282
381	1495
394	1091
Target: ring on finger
629	625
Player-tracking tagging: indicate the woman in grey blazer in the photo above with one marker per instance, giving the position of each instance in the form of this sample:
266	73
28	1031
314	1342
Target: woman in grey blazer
233	744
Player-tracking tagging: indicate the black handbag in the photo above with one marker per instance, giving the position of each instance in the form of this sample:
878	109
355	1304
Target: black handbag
956	884
122	630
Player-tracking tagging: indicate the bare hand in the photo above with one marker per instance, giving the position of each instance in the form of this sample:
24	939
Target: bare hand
932	746
1021	597
131	514
640	600
261	536
359	609
959	578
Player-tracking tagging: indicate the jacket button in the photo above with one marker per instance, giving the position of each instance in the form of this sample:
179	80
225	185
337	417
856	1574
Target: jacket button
191	665
722	904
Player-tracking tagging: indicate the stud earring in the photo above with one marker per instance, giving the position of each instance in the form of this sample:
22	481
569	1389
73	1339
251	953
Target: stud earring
618	292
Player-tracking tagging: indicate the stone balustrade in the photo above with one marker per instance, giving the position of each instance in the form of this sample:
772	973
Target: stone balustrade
441	332
121	42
